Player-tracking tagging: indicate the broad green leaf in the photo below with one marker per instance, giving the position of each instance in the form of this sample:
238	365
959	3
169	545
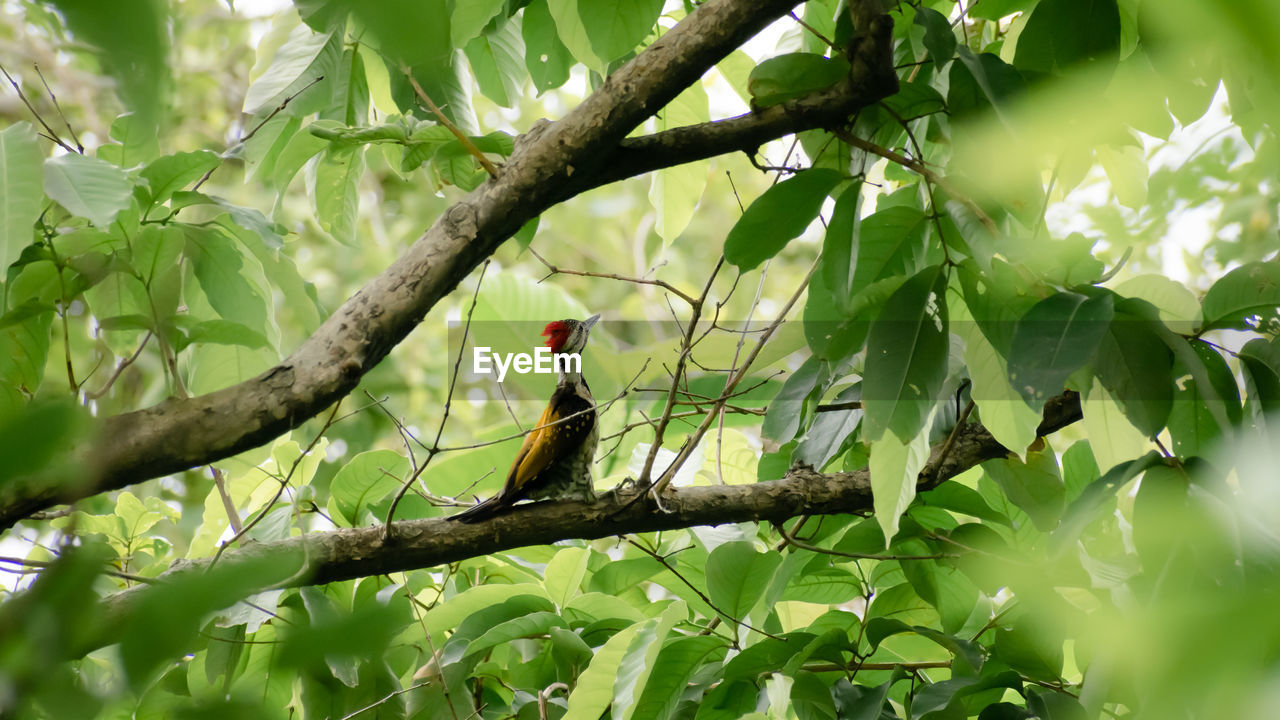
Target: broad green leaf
980	81
1244	299
782	419
838	248
365	480
1063	33
1029	648
469	18
895	466
170	173
998	9
449	614
546	58
676	191
1004	414
1112	436
1134	365
564	574
20	191
532	625
497	62
887	243
787	77
830	430
672	671
811	698
139	142
1035	486
1179	308
574	34
832	586
737	576
88	187
155	250
1260	360
24	347
334	180
223	273
939	37
906	357
1055	338
638	664
299	62
594	690
776	217
616	28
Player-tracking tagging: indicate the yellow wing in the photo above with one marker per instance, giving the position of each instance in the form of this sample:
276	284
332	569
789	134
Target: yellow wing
548	442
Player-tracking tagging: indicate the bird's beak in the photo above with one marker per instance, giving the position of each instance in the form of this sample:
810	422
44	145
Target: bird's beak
591	321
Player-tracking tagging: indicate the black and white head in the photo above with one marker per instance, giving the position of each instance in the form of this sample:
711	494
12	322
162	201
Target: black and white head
568	336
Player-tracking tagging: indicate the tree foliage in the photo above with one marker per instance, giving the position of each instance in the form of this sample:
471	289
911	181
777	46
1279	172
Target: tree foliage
940	345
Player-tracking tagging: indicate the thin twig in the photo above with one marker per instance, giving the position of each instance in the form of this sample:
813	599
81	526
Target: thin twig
466	141
555	270
54	99
50	134
120	368
921	169
448	403
219	480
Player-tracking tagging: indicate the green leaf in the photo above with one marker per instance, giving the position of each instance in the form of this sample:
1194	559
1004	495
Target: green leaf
547	59
221	270
1136	367
1030	649
532	625
777	216
1063	33
811	698
155	250
889	242
830	430
170	173
939	37
564	574
302	60
1261	362
224	332
895	467
1246	298
1055	338
88	187
361	483
1179	308
469	18
24	347
676	191
672	671
1004	414
133	37
20	191
838	255
831	586
594	690
906	357
980	81
737	576
998	9
860	702
337	200
616	28
638	664
1035	486
497	62
787	77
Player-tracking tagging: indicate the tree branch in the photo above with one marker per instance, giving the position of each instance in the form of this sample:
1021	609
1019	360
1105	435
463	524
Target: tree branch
360	552
551	162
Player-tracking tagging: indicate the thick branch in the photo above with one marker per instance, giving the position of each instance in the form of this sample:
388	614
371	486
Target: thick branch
576	153
360	552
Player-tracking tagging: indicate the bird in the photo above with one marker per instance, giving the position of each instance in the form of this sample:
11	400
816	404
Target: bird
555	460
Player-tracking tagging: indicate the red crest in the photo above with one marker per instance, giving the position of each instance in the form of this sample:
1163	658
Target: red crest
556	333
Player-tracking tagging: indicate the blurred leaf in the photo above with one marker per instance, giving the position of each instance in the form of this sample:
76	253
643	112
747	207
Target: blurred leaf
24	347
676	191
939	38
20	161
776	217
87	187
1035	486
133	38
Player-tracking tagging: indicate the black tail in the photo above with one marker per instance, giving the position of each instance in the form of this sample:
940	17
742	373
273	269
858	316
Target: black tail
488	508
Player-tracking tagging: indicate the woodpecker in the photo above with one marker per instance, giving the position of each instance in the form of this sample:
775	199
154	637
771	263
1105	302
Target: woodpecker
555	459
